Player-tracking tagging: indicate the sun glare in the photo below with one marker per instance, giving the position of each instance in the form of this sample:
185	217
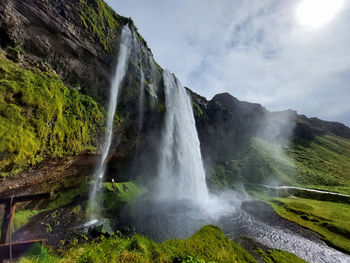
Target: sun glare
316	13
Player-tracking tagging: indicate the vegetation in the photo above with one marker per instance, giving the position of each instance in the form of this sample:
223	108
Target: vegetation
22	218
323	163
118	194
62	199
197	109
277	255
209	244
100	20
40	117
331	220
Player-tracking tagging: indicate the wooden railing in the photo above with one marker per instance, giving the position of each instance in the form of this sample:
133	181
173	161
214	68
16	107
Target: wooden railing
8	249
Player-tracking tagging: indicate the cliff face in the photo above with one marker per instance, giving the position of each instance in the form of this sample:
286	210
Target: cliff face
79	40
55	34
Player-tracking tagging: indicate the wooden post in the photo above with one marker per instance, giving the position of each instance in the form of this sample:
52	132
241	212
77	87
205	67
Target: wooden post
5	224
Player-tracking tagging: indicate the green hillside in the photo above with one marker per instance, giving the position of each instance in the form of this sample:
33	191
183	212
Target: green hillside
323	163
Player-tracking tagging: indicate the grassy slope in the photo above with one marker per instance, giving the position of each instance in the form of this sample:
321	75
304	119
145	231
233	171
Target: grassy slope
277	255
329	219
323	163
40	117
209	244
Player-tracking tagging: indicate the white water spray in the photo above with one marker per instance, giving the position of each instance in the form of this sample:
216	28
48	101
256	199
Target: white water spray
121	69
181	172
141	98
152	87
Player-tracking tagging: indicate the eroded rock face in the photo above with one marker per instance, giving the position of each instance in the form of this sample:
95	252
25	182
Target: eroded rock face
79	40
51	33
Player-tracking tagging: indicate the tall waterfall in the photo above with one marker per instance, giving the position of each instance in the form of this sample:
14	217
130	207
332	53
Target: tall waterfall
141	98
181	173
120	72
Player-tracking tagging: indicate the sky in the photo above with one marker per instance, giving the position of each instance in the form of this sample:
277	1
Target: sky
290	54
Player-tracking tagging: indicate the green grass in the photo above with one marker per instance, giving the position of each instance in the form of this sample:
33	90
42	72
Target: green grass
330	220
118	194
323	164
40	117
22	218
277	255
209	244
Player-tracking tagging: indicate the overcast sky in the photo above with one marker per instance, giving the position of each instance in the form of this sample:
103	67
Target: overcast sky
257	50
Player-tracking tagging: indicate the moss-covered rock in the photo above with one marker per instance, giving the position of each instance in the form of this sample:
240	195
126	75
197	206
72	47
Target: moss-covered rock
101	21
40	117
209	244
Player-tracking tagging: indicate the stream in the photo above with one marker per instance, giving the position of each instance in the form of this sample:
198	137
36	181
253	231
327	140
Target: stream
181	219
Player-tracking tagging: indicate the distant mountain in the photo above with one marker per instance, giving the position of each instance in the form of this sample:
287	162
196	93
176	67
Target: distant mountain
245	142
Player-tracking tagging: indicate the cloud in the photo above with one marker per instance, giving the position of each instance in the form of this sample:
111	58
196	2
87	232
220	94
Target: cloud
253	49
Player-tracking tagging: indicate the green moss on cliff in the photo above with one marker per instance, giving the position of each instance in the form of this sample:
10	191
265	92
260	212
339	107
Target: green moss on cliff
197	110
40	117
101	20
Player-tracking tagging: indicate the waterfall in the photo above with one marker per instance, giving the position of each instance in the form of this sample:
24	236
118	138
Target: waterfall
141	98
153	89
181	173
120	72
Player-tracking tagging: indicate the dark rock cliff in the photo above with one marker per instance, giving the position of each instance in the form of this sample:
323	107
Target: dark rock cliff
79	40
226	124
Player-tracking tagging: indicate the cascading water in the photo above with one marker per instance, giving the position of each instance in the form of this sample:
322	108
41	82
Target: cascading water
181	172
141	98
120	72
152	86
